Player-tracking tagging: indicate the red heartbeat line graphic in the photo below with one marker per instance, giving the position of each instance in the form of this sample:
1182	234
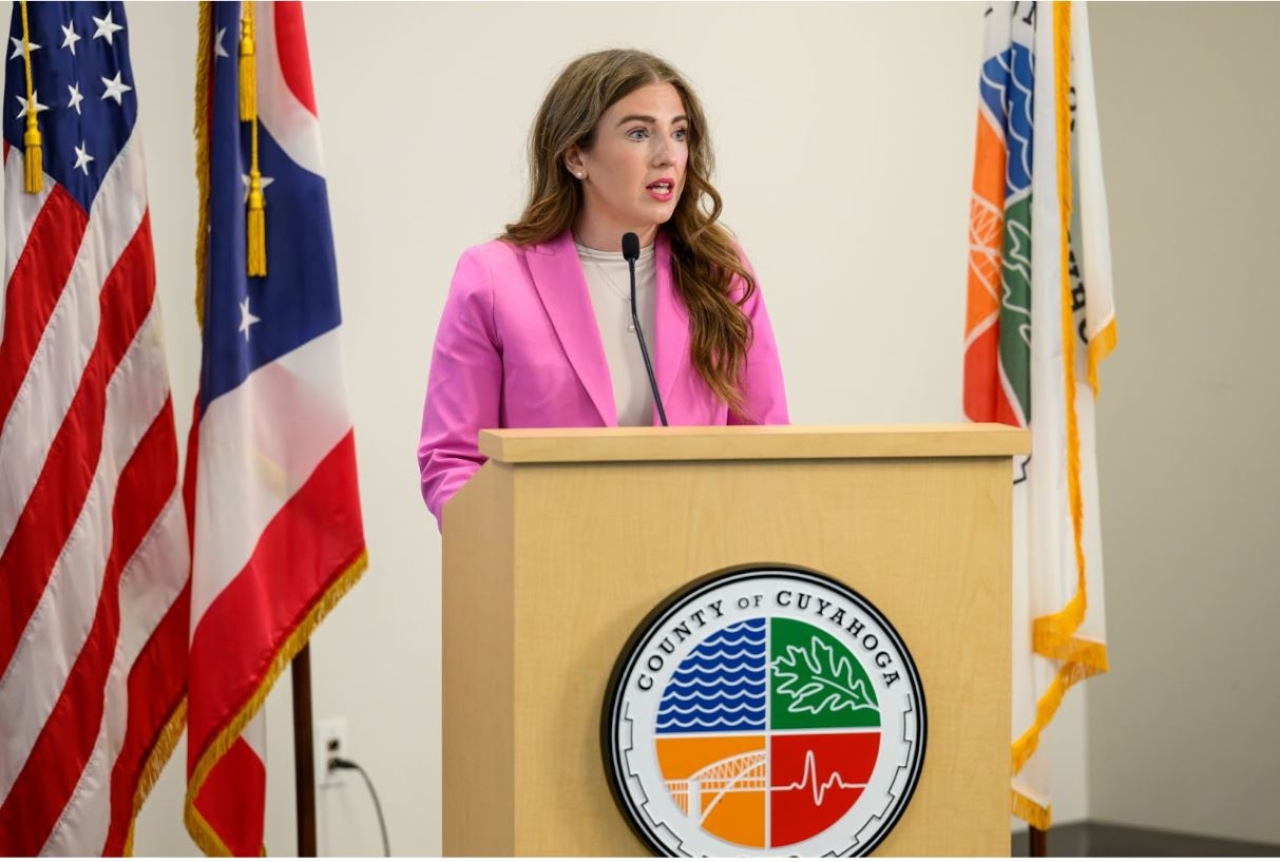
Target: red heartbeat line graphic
810	778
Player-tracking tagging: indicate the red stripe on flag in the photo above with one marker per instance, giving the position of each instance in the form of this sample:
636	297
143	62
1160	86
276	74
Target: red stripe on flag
189	472
985	399
233	800
37	281
291	48
157	684
62	749
292	568
59	494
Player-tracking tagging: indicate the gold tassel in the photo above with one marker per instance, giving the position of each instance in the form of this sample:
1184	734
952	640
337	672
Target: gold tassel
33	155
33	150
257	225
256	256
248	67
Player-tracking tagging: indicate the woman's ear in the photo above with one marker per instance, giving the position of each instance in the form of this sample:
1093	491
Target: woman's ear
574	162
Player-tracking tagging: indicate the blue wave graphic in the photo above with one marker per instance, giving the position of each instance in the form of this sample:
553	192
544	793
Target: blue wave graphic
691	707
726	655
691	695
691	671
721	685
716	642
675	725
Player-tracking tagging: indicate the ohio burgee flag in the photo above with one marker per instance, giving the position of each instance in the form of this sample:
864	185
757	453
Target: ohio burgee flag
271	472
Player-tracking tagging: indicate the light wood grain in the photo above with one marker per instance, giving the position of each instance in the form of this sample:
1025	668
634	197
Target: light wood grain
478	622
924	541
594	546
751	442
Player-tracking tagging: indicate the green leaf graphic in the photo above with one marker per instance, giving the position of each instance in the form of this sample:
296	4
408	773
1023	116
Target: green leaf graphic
819	681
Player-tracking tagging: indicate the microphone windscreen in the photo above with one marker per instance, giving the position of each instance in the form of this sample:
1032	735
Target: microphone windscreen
630	246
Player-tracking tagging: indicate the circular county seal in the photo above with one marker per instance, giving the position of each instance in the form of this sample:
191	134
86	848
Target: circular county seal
769	710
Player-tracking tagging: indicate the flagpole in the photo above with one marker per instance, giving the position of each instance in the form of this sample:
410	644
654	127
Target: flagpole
1039	842
304	770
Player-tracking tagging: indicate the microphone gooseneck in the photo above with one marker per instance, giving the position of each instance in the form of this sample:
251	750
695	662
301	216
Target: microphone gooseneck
631	251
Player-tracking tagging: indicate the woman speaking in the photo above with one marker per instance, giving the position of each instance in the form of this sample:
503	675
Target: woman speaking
537	330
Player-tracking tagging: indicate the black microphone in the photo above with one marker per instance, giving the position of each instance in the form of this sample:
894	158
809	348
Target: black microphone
631	251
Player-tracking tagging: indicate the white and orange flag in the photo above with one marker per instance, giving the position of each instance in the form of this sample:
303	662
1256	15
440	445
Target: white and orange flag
1040	320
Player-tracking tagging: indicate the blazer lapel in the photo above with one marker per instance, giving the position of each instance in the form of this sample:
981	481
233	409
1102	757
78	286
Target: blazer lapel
671	326
557	276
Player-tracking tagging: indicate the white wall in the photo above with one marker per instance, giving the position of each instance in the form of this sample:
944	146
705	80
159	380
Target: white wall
1182	734
845	140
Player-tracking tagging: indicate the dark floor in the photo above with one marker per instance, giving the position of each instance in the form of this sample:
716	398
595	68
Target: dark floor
1101	839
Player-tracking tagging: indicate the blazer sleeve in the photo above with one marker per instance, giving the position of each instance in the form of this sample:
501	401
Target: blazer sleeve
766	396
464	388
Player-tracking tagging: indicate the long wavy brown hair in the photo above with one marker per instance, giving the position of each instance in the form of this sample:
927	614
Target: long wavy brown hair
704	258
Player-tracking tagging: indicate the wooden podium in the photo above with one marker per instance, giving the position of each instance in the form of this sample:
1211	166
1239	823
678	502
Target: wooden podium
566	539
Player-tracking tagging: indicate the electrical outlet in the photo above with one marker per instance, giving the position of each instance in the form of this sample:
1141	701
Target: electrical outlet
331	741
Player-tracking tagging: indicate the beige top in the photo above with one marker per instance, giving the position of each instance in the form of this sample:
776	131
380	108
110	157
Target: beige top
609	282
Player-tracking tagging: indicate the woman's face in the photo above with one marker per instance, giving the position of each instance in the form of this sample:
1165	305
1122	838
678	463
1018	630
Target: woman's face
633	175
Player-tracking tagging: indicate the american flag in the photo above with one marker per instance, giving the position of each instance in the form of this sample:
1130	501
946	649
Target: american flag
94	563
271	473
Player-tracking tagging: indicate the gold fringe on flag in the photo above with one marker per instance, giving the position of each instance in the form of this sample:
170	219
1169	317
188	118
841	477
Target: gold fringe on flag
204	62
33	149
160	752
1084	660
1037	816
201	831
1052	634
248	67
1100	347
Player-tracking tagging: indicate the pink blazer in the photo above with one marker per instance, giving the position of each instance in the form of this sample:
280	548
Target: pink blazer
518	347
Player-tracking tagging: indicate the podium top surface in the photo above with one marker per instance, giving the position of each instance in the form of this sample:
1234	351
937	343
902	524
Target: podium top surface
753	442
